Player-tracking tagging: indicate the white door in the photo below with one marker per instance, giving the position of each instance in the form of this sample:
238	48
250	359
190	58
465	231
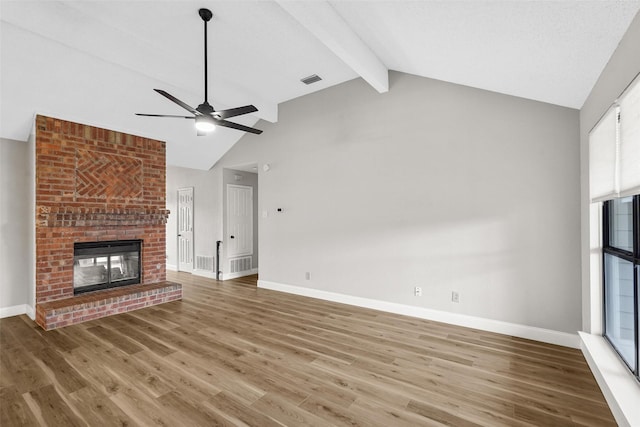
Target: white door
185	229
239	220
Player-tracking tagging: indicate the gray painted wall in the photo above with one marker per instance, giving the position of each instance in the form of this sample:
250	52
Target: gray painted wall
623	66
432	184
15	221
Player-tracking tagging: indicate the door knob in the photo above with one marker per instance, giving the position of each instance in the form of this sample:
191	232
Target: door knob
233	237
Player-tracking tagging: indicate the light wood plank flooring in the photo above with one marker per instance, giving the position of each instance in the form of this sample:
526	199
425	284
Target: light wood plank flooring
233	354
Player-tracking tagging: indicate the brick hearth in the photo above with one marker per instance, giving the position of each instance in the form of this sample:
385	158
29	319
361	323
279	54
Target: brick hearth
63	312
94	185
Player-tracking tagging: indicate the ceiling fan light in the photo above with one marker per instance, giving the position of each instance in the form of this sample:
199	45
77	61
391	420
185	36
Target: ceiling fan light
204	124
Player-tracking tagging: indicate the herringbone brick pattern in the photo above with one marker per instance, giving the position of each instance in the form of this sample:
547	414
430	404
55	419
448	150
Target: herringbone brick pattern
107	176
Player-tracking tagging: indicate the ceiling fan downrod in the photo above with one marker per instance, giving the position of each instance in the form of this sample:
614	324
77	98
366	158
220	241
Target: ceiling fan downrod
206	16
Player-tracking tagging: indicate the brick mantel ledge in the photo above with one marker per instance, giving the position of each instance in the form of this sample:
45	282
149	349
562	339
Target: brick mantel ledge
71	216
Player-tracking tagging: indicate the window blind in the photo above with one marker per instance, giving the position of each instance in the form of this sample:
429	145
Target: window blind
614	148
603	154
629	151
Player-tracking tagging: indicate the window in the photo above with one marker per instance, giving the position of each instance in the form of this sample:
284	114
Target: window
622	278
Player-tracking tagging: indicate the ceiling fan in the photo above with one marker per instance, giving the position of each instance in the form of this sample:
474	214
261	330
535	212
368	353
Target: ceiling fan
205	116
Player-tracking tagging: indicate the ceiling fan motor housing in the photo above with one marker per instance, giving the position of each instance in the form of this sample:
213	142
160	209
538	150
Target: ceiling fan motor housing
205	108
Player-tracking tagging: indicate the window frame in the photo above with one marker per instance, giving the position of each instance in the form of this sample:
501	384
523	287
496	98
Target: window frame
632	257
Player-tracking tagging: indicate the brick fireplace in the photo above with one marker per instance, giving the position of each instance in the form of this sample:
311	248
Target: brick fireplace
95	185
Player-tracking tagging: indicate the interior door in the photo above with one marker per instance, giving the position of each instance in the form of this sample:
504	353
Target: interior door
239	220
185	229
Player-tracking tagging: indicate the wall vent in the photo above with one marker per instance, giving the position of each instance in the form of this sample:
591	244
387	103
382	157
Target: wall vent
240	264
311	79
204	263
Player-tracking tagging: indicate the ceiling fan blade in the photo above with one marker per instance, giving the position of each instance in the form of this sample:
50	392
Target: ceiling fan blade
164	115
233	112
237	126
177	101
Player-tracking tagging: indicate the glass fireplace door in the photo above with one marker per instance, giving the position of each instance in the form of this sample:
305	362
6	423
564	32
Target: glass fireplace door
101	265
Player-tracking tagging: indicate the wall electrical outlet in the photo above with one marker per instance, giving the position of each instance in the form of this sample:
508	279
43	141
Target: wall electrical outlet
417	291
455	297
307	275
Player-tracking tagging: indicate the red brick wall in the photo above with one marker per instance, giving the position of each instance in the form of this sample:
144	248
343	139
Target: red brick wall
93	184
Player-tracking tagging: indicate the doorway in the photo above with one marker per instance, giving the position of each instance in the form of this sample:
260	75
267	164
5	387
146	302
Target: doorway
240	223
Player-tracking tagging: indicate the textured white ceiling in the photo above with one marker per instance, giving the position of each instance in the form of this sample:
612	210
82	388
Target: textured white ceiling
97	62
550	51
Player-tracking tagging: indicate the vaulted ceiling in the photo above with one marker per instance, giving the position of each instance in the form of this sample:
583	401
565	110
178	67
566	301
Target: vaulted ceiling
97	62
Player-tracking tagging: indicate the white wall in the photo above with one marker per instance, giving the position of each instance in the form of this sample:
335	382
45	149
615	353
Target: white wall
432	184
16	219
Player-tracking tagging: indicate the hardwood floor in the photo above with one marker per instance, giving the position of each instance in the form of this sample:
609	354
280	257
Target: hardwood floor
233	354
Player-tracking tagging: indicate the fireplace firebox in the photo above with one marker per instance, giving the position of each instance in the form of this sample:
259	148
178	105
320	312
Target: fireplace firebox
102	265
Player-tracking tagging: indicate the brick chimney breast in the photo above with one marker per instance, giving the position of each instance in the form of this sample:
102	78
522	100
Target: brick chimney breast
94	185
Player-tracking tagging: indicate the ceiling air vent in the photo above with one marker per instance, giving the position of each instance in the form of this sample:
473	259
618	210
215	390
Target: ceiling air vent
311	79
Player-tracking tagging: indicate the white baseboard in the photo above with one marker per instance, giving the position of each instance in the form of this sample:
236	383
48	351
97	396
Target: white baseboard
14	310
227	276
17	310
506	328
618	386
204	273
31	312
172	267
